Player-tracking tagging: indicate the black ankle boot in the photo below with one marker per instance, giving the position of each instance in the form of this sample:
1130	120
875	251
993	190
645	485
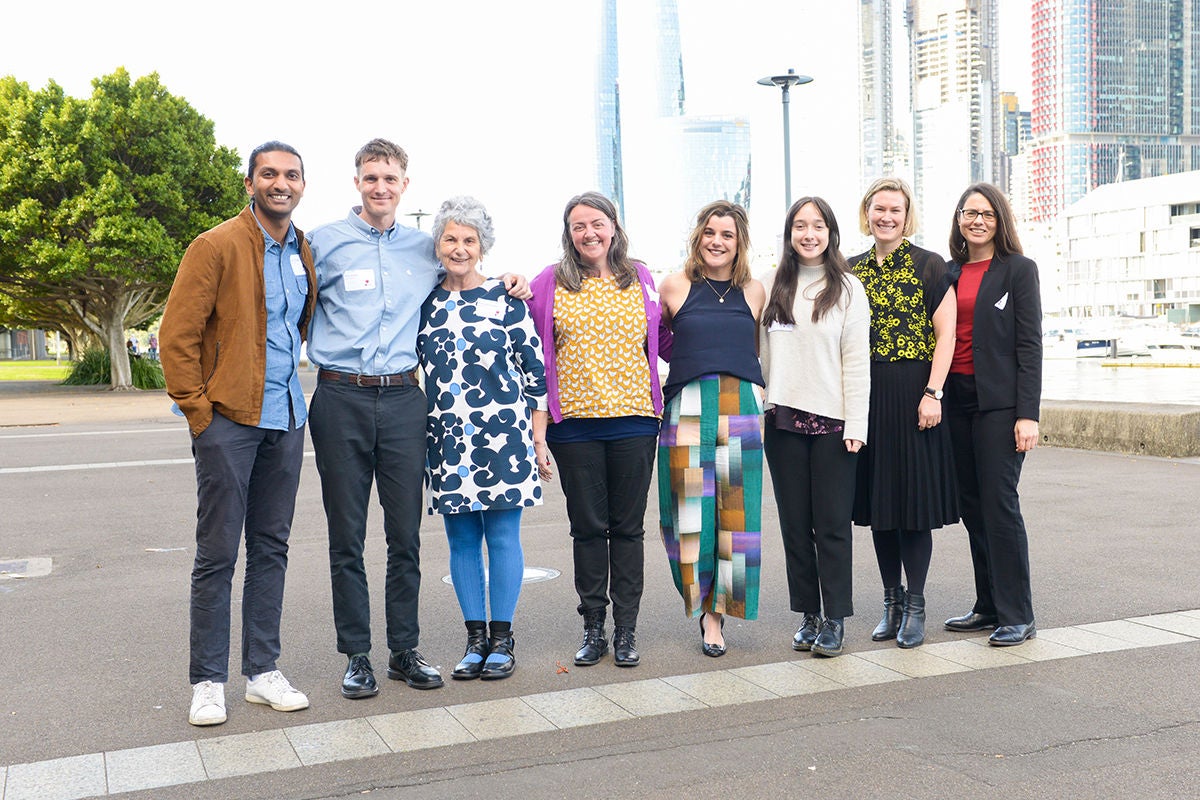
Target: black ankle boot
893	604
500	662
595	642
912	626
624	650
477	650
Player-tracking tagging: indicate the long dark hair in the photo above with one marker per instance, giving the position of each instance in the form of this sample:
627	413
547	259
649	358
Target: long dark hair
570	270
1005	242
783	291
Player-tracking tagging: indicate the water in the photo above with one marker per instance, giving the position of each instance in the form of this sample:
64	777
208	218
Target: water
1089	379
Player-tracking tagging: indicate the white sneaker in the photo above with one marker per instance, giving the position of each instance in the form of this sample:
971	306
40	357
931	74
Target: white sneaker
208	703
272	689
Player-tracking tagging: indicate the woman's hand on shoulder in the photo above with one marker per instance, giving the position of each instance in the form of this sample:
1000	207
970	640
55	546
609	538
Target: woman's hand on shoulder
517	285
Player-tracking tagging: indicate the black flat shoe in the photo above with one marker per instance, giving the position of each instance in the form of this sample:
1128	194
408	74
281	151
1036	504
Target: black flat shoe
1009	635
500	662
408	666
971	622
829	640
711	650
471	664
807	634
359	680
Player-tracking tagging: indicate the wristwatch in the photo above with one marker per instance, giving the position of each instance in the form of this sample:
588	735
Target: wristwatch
936	394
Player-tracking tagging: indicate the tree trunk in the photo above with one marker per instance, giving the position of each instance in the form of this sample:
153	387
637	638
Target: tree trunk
118	356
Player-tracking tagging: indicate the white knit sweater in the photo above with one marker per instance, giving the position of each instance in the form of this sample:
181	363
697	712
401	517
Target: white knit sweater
822	368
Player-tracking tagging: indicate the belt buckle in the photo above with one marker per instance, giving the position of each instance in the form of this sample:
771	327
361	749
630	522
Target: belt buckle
358	381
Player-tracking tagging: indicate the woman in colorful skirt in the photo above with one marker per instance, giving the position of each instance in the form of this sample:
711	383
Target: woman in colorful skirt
710	445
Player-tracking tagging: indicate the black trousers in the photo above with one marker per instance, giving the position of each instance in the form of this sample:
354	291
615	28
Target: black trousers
606	484
364	435
989	468
814	477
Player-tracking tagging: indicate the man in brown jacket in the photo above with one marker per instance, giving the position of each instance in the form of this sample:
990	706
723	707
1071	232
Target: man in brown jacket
230	348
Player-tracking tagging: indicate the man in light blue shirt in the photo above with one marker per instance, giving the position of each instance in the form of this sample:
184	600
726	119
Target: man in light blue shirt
367	415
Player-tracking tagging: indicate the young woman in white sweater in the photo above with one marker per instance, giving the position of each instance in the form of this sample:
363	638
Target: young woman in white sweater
814	343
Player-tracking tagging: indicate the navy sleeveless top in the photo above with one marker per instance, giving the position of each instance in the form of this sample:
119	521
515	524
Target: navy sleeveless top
712	337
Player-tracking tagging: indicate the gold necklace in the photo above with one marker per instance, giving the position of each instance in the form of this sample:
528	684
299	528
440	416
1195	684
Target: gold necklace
720	296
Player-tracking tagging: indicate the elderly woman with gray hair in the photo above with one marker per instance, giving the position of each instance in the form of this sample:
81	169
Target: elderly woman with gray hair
486	390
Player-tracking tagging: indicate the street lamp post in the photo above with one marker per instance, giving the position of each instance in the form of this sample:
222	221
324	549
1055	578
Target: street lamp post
786	82
418	214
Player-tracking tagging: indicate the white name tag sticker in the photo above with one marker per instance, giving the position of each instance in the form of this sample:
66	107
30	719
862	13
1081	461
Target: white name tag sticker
1002	302
779	326
297	264
358	280
490	309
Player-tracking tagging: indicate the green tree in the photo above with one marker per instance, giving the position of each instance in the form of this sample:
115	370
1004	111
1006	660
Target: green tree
99	198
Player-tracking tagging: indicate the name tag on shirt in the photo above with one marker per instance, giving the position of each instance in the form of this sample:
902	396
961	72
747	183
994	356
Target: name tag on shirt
491	309
358	280
779	326
1002	302
297	264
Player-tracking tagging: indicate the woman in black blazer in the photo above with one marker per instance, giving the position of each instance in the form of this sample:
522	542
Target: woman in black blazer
993	394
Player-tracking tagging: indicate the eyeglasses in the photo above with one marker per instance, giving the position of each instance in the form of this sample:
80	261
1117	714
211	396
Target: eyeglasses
971	214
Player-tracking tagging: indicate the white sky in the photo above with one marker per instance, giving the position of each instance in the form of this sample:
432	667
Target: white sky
493	99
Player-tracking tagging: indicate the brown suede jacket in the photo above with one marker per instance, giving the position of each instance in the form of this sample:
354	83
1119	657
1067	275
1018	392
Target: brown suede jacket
213	338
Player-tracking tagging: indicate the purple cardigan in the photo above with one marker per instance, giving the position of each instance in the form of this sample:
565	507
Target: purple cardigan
541	306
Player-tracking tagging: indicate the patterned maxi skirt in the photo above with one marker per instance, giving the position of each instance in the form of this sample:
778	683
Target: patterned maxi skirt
710	494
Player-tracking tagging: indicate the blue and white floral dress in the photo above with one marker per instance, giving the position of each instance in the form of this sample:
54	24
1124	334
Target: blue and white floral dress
482	361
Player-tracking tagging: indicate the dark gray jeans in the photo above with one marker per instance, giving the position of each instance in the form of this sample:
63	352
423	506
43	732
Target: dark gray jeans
246	478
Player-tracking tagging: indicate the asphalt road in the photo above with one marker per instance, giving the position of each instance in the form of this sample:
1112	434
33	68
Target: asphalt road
93	656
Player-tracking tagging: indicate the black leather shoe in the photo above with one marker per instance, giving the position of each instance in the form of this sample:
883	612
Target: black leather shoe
500	661
359	680
711	650
595	642
408	666
477	650
625	652
829	638
807	634
1008	635
971	622
893	604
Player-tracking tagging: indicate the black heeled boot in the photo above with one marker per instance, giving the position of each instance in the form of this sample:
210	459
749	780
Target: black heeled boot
500	662
893	605
595	641
477	650
912	626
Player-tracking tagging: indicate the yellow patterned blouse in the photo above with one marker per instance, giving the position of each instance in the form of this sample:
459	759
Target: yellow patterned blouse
599	341
903	291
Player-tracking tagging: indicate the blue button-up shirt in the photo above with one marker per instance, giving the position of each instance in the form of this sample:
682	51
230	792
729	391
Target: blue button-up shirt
286	289
370	287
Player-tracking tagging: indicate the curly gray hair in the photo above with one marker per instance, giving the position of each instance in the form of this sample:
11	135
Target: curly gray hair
468	211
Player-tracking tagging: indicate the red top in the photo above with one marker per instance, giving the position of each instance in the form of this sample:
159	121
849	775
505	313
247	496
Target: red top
967	290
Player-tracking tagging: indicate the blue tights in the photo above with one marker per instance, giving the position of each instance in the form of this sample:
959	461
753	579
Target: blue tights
506	562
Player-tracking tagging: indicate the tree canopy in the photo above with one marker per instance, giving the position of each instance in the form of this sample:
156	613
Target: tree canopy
99	198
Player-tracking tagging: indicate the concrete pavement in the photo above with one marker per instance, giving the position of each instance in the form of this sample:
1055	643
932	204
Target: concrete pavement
93	655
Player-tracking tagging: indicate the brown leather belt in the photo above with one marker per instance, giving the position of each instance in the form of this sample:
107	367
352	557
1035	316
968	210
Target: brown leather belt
399	379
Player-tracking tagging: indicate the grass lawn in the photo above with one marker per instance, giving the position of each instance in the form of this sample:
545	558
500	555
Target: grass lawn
33	370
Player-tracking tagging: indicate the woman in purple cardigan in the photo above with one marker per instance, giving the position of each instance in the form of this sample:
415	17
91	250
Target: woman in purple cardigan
599	319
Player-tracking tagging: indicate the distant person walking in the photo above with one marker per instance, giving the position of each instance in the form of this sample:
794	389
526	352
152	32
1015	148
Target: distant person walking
906	483
231	334
710	445
993	399
814	341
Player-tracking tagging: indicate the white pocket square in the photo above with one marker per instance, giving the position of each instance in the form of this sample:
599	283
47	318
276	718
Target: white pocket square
1002	302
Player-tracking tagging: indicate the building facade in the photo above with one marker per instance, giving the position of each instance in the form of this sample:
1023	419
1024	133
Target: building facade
878	140
1133	249
1116	87
610	178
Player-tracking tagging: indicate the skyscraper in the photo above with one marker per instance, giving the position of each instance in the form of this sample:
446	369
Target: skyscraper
1116	95
610	179
878	141
955	102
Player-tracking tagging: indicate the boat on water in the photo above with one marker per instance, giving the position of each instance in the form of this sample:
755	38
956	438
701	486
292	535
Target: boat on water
1181	349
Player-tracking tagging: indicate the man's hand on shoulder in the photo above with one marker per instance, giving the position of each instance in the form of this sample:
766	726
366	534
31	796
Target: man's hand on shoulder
518	285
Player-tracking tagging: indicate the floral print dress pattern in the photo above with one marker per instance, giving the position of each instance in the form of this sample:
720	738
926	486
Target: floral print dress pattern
481	359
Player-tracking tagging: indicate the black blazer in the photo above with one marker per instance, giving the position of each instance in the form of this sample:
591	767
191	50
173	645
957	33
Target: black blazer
1007	336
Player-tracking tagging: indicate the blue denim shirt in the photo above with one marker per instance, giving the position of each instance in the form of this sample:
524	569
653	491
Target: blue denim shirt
370	288
286	289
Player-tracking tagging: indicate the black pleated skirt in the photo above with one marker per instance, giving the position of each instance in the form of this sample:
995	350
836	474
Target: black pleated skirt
905	475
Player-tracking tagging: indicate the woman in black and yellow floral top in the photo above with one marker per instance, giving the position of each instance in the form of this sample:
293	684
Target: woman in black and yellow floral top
906	484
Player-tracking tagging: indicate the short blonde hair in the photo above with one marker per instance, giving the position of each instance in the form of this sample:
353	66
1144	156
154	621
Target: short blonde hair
889	185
